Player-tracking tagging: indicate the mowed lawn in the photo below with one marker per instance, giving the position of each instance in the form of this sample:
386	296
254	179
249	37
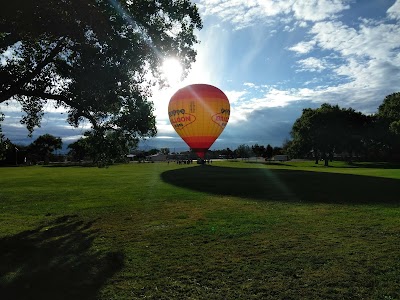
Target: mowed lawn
229	230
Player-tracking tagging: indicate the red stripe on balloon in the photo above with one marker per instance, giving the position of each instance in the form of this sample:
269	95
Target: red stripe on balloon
200	141
198	91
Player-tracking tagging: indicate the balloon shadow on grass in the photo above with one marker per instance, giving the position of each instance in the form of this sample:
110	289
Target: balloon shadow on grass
55	261
286	185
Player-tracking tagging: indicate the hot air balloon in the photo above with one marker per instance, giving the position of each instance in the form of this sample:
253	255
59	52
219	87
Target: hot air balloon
199	113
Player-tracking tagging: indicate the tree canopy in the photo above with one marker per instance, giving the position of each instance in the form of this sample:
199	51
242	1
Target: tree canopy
244	151
97	59
388	123
390	108
327	130
330	130
44	145
389	111
114	147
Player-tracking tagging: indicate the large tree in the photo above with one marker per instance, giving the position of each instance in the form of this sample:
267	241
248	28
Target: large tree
388	121
115	147
303	135
328	130
390	108
97	59
354	137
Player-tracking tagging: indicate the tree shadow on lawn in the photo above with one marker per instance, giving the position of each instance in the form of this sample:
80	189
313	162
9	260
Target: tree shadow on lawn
270	163
70	165
375	165
55	261
287	185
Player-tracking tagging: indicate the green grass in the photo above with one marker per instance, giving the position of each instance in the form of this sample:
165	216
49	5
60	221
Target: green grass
230	230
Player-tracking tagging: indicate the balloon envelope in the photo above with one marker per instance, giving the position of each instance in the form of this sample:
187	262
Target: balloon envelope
199	113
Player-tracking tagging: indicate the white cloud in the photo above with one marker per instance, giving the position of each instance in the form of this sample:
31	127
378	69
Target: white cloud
14	124
165	129
302	24
14	106
303	47
235	96
369	40
249	84
247	13
318	10
365	57
162	137
364	92
242	110
370	53
288	28
10	107
71	138
394	11
312	64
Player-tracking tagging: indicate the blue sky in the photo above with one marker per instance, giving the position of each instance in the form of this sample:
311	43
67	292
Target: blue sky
272	59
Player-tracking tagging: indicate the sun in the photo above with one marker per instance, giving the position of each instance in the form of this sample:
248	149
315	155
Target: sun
172	71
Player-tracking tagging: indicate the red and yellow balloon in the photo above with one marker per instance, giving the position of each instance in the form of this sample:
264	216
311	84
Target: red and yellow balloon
199	113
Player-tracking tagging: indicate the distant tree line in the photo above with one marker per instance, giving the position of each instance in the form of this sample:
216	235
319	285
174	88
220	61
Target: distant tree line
39	151
246	151
330	131
91	149
325	133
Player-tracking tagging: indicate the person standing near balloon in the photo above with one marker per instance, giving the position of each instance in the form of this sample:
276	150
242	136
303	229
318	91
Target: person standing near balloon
199	113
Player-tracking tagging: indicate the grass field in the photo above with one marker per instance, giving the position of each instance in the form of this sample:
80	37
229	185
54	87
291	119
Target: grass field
230	230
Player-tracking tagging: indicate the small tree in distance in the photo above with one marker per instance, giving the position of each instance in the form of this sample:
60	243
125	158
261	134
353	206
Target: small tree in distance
164	151
243	151
269	152
78	150
44	145
258	150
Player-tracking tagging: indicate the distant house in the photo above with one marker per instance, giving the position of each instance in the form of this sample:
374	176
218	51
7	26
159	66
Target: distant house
157	157
280	158
131	157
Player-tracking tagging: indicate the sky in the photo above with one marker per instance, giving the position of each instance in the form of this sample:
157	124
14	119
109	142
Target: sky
273	58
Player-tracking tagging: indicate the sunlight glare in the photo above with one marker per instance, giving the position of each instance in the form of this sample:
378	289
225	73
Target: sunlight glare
172	71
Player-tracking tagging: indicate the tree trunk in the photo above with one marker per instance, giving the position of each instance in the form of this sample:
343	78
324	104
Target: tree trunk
316	159
326	159
350	157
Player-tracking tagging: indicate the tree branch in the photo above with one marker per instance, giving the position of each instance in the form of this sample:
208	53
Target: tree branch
13	90
82	111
